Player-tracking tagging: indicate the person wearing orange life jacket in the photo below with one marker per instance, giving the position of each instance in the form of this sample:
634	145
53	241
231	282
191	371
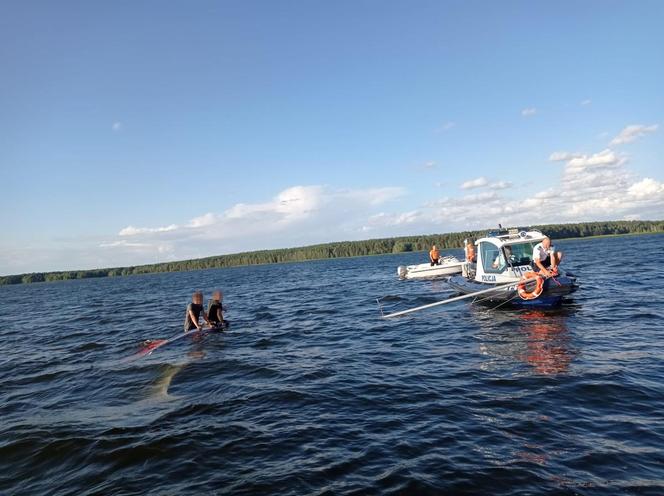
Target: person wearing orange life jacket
434	255
545	258
469	249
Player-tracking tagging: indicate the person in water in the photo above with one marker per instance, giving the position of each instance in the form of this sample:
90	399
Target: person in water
215	312
194	311
434	255
469	250
545	258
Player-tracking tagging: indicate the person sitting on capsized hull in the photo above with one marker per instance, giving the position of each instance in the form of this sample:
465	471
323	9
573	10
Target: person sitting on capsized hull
434	255
545	258
215	312
194	311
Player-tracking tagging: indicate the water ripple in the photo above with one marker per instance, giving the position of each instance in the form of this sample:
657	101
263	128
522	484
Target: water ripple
310	392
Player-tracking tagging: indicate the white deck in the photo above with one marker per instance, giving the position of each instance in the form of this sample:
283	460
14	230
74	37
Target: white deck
447	267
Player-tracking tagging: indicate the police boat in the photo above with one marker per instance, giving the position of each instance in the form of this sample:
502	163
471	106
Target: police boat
504	262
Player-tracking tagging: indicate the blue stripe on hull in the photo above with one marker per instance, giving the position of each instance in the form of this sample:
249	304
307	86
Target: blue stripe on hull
541	302
511	299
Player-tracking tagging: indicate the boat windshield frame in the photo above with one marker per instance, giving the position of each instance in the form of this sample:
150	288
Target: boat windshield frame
518	257
492	250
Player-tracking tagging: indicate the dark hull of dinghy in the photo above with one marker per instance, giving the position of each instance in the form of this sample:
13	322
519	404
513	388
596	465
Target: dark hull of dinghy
552	295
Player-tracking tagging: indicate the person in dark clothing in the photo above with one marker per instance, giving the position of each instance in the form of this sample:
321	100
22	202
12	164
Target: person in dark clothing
194	311
215	313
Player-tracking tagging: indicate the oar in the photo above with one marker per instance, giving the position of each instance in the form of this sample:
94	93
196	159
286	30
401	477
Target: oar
456	298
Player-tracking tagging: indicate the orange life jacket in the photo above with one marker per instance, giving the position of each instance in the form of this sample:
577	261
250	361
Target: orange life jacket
470	253
434	254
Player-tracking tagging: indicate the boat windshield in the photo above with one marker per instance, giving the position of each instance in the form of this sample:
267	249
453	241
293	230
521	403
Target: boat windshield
519	254
496	261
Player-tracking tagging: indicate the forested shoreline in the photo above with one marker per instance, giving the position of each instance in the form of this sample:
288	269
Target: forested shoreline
342	249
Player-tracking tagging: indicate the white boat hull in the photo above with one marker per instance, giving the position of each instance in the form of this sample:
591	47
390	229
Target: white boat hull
447	267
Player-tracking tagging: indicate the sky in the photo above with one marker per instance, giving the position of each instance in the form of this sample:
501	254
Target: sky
144	131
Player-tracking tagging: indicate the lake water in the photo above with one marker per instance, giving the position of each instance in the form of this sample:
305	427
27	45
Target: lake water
310	392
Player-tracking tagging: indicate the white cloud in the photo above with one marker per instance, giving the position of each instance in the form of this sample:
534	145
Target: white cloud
204	220
480	197
142	252
123	243
585	102
585	187
563	156
446	127
295	216
117	126
606	157
475	183
500	185
481	182
598	186
370	196
632	133
593	186
382	220
646	188
133	231
295	205
529	111
428	166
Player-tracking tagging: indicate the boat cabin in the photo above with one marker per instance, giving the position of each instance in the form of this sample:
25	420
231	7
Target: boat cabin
504	256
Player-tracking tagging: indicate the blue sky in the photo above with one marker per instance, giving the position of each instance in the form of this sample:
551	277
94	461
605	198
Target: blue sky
134	131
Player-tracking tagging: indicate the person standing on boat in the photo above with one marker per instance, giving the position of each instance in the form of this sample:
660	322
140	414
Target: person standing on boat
469	250
545	258
434	255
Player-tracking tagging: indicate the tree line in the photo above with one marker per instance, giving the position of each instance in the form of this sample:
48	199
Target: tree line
341	249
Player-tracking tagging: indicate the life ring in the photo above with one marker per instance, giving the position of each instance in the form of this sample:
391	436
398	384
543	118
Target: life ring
539	286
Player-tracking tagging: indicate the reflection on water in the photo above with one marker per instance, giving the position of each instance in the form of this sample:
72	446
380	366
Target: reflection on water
538	338
548	341
438	286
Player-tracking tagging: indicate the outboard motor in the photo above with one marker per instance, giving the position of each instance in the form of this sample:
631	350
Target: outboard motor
402	271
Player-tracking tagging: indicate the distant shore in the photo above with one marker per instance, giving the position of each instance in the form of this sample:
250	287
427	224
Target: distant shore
613	235
342	249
